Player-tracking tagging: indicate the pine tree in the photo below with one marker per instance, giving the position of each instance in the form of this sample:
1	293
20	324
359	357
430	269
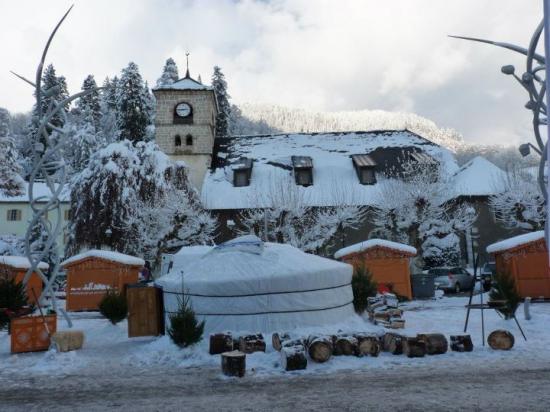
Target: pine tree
504	288
169	73
11	183
224	108
89	105
132	105
108	122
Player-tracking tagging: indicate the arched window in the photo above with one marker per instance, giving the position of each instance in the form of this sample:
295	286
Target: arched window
189	140
177	140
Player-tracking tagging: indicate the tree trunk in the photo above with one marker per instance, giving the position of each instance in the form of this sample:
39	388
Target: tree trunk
319	348
234	363
277	340
436	343
344	346
414	348
501	340
293	358
252	343
220	343
461	343
393	343
368	345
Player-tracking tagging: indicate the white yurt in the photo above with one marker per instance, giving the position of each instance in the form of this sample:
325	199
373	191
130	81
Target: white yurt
247	285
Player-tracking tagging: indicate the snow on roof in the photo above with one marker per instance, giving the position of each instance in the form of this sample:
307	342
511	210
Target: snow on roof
188	255
335	181
106	255
479	177
371	243
187	83
40	190
20	262
515	241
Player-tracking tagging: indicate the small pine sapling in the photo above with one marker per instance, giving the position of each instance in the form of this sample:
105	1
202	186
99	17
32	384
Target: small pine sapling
504	289
363	287
185	330
114	306
12	299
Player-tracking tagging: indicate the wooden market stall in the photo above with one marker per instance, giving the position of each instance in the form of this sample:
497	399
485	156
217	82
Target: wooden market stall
525	257
91	274
387	261
16	267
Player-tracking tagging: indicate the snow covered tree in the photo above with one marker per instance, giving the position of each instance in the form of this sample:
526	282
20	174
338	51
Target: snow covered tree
415	209
520	205
12	245
89	105
224	108
132	105
107	102
169	73
11	183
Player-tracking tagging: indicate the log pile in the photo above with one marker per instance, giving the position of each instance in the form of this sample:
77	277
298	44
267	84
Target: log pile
413	347
393	343
461	343
319	348
368	344
234	363
436	343
220	343
501	339
383	310
252	343
345	345
293	352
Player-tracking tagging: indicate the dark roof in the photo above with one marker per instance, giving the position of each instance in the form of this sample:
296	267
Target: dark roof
302	162
363	160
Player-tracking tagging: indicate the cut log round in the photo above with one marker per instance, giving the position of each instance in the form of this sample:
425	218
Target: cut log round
278	339
368	345
393	343
293	358
252	343
344	346
414	348
319	348
436	343
234	363
501	339
220	343
461	343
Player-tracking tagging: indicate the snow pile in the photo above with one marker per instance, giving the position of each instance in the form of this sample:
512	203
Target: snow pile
238	286
20	262
372	243
106	255
515	241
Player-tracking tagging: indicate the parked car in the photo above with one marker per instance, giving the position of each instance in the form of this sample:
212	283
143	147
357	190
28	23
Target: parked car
452	279
486	274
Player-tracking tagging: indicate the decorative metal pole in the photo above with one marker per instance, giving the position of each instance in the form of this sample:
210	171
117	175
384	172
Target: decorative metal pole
547	151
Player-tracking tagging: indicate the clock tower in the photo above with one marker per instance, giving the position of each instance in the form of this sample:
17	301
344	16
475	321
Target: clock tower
185	124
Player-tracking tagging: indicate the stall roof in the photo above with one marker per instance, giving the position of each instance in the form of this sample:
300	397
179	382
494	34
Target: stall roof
372	243
106	255
515	241
20	262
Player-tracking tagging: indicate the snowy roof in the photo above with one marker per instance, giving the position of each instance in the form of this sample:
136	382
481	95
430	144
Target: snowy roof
335	180
20	262
188	255
40	189
106	255
515	241
479	177
187	83
372	243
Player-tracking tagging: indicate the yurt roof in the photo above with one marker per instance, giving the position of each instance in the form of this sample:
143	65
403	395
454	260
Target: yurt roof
187	255
372	243
105	255
515	242
20	262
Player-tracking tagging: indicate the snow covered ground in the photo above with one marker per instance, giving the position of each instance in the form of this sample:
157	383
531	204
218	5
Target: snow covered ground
108	353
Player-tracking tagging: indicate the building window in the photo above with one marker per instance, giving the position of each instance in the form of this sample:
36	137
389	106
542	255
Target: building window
14	215
189	140
303	170
368	176
365	167
177	140
242	171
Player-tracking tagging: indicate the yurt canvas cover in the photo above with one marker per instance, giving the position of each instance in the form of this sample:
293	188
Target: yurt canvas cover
248	285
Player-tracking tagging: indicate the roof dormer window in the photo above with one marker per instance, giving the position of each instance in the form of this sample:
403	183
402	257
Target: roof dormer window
365	167
242	172
303	170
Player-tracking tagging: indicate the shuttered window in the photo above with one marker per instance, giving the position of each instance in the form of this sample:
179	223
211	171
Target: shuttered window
14	215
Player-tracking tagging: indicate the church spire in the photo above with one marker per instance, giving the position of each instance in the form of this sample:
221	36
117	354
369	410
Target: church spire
187	75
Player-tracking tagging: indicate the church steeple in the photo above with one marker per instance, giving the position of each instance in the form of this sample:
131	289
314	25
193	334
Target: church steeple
187	75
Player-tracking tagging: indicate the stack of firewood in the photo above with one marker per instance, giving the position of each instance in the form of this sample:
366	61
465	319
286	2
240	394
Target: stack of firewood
383	310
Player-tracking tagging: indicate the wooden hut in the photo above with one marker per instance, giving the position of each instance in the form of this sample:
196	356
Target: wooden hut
16	267
91	274
525	257
388	262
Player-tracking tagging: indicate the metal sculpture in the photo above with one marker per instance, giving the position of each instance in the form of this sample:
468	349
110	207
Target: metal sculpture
47	164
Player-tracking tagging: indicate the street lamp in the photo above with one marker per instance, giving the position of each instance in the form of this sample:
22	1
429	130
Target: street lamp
525	149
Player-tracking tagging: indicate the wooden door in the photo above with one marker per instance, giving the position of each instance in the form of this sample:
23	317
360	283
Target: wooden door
145	311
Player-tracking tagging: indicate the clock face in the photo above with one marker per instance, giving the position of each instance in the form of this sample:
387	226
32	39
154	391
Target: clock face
183	110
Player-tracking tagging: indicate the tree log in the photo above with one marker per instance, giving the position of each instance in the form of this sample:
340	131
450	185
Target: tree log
344	345
368	345
234	363
436	343
319	348
393	343
461	343
501	339
277	340
252	343
293	358
220	343
414	348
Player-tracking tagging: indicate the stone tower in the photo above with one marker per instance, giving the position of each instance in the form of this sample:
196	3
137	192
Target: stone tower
185	124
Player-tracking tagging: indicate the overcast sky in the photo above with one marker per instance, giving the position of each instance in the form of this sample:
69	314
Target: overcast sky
316	54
